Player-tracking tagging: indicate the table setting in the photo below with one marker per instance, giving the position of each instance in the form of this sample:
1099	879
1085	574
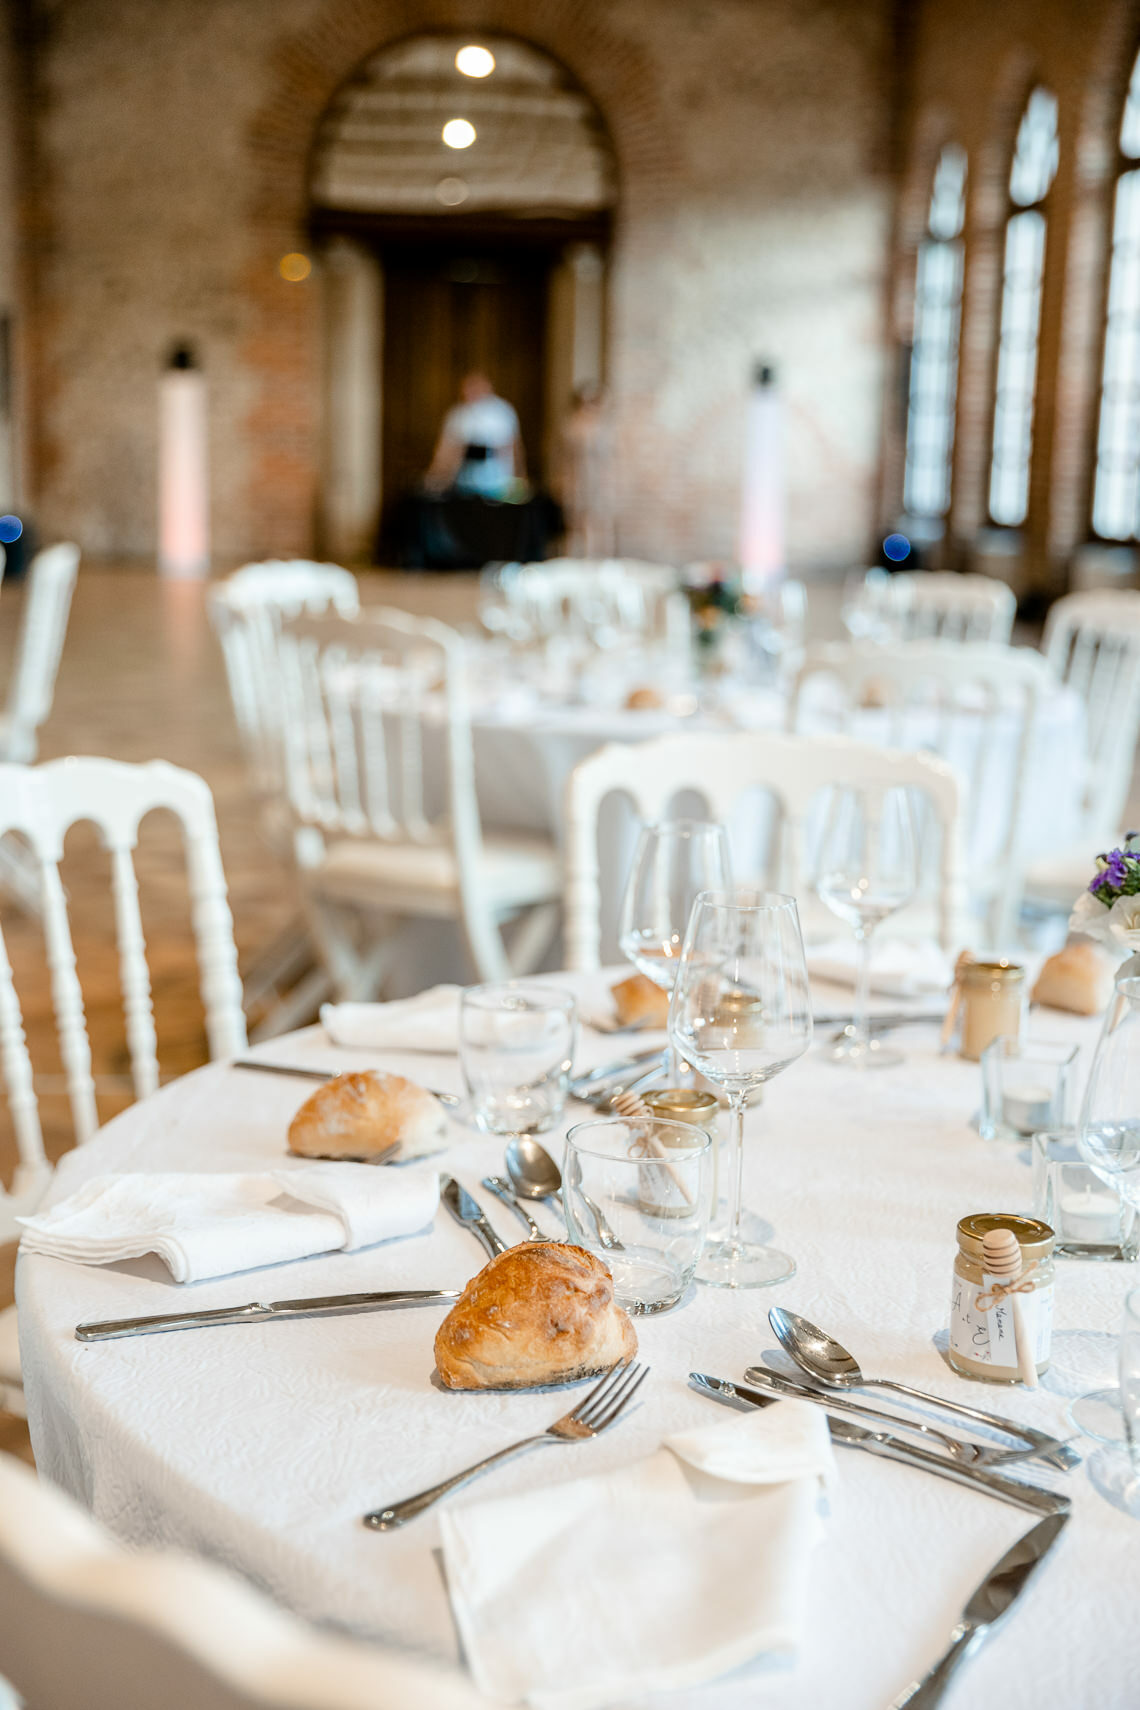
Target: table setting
315	1312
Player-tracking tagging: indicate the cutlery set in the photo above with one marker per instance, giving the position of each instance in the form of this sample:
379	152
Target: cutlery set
829	1373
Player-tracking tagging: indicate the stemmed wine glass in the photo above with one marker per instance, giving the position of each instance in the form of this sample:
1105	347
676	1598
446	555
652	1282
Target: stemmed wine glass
867	867
741	1014
673	863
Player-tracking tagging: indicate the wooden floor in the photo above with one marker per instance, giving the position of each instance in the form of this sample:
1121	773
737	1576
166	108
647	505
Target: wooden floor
142	679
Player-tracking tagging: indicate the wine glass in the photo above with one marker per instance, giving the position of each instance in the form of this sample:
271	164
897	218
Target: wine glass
867	867
673	863
741	1014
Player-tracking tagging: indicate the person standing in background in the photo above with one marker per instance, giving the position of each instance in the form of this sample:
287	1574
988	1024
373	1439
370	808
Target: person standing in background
586	485
480	448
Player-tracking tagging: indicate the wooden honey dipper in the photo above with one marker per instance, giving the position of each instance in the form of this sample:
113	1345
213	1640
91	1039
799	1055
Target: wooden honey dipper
1001	1258
633	1107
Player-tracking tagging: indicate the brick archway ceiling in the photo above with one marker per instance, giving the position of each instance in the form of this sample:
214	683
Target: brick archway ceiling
312	67
540	146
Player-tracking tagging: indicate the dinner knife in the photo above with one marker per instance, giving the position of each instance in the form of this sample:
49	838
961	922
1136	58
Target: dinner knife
467	1212
257	1311
988	1606
1028	1496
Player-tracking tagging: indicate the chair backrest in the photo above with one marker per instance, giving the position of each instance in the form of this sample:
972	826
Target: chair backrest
361	699
583	596
247	611
941	603
42	802
51	583
721	768
1092	641
968	702
86	1624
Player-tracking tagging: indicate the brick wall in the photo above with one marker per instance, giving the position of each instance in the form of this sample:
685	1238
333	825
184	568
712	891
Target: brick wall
172	142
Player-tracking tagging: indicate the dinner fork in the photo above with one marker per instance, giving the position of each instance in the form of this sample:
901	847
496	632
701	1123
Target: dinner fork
593	1415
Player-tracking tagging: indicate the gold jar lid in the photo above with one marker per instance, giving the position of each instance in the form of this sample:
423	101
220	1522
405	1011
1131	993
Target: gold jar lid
683	1104
993	974
1033	1237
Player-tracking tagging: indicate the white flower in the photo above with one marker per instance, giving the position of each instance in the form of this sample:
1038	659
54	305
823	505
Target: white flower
1124	920
1088	910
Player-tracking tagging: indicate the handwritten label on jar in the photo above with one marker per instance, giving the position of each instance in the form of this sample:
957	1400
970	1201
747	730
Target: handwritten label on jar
987	1337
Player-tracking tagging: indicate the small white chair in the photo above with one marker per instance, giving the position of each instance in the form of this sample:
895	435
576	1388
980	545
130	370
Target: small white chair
721	768
247	611
42	802
926	605
977	697
572	596
380	835
47	603
1092	641
88	1625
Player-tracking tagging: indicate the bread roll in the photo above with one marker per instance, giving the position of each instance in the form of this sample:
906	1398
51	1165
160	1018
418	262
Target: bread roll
645	699
359	1116
1078	978
540	1313
639	1000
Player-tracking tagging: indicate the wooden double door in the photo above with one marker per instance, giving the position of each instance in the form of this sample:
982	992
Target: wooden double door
448	310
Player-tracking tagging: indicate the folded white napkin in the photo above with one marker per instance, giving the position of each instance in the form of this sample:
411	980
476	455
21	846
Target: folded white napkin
208	1225
427	1022
654	1577
899	968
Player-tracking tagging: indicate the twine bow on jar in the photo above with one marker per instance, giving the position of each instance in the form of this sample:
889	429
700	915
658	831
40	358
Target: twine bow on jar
997	1291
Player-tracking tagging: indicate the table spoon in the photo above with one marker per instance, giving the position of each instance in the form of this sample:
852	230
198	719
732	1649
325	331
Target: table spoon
535	1175
830	1364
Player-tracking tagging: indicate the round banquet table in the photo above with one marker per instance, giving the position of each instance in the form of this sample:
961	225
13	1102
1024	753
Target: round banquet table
262	1445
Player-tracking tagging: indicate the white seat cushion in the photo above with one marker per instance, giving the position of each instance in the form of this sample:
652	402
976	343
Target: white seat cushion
424	878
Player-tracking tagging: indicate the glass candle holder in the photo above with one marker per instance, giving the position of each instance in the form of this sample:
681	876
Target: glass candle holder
1026	1088
1088	1217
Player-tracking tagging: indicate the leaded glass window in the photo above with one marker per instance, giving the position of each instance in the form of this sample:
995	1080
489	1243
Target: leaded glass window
1116	490
1023	270
933	391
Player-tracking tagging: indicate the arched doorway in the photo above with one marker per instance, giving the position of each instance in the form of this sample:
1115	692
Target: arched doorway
437	259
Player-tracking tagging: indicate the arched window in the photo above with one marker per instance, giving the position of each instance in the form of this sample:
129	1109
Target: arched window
933	390
1033	170
1116	491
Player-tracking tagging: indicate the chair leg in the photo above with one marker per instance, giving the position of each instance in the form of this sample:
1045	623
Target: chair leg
296	1008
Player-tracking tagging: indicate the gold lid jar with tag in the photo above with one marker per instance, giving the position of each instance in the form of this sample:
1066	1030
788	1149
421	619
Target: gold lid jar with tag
970	1352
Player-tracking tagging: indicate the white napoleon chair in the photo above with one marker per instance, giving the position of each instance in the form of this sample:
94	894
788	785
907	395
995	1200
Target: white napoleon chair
381	779
723	768
975	704
597	599
88	1625
925	605
41	803
47	604
1092	641
247	611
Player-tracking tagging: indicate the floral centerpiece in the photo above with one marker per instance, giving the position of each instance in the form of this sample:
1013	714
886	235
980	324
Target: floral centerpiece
1109	909
717	602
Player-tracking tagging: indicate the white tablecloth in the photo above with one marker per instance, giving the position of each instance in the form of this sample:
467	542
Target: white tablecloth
263	1445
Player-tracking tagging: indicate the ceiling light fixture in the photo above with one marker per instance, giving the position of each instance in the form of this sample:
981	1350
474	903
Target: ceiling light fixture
475	61
458	133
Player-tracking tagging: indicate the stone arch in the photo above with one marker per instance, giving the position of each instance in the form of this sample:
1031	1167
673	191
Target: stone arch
281	347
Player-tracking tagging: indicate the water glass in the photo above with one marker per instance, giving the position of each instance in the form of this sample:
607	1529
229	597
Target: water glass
516	1045
637	1195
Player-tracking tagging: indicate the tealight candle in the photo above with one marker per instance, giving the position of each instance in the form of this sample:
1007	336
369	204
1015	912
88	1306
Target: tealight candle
1089	1213
1027	1108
